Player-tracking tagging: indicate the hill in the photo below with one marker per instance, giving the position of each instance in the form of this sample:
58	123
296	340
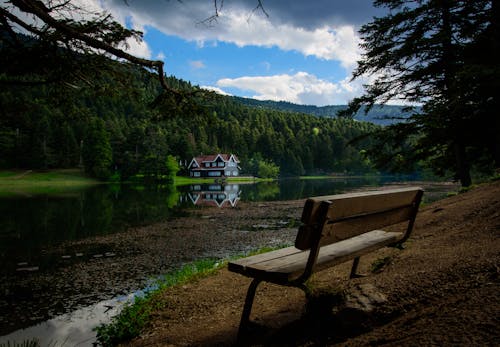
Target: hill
379	114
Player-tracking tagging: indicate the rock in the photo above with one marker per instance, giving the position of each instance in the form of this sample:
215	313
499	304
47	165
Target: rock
364	297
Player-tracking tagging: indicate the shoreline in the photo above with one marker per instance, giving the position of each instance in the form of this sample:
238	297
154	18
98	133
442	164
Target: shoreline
447	272
126	261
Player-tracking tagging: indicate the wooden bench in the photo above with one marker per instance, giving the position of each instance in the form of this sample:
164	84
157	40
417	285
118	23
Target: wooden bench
335	229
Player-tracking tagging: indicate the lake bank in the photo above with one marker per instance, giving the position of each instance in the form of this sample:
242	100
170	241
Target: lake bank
440	290
80	272
28	182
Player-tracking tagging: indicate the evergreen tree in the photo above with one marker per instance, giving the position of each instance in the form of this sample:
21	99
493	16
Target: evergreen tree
96	151
421	53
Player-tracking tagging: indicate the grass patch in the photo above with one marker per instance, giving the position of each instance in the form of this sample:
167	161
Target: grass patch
379	264
136	316
46	182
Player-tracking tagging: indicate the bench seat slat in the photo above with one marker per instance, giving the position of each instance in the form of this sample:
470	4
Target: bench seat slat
286	264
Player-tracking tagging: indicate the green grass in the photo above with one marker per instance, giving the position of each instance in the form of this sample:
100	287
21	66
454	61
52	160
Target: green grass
46	182
379	264
136	316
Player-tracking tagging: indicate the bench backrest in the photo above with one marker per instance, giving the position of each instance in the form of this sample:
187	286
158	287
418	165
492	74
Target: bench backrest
338	217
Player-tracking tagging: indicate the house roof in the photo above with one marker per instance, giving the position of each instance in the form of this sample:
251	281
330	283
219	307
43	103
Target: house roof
212	158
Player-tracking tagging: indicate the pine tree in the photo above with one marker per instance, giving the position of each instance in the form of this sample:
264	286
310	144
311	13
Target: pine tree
96	151
419	54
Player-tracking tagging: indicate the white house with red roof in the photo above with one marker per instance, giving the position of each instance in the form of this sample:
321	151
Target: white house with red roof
216	165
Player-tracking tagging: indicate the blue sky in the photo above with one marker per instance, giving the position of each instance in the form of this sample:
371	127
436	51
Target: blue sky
297	51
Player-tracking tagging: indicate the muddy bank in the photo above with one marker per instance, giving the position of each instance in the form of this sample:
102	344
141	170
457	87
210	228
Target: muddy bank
80	273
442	289
77	274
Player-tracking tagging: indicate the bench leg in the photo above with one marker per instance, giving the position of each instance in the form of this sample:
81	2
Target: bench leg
354	268
245	316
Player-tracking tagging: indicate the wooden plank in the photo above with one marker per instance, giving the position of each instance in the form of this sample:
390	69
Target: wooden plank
384	200
357	203
286	268
344	206
239	265
345	250
337	231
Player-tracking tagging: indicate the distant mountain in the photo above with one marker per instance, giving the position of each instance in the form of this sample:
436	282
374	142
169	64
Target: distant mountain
379	114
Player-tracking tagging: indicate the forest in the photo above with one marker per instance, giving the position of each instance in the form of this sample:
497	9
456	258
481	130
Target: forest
65	103
122	132
379	114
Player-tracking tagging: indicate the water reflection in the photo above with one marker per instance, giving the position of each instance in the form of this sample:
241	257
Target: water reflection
219	195
70	329
29	226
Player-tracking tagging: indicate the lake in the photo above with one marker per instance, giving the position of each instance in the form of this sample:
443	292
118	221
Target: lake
34	232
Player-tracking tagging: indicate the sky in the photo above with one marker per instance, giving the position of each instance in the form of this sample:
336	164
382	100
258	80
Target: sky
300	51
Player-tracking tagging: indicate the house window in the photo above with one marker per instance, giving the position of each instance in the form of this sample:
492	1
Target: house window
196	174
207	164
214	173
220	164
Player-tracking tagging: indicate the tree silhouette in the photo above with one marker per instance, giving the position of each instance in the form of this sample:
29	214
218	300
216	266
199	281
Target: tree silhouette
436	53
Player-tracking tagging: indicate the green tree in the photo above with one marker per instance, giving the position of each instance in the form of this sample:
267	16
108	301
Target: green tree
421	53
96	151
268	169
171	167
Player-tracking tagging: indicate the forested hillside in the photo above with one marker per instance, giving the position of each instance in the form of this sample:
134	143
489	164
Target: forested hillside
379	114
113	129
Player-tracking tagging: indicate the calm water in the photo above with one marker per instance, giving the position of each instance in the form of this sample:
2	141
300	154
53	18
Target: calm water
28	224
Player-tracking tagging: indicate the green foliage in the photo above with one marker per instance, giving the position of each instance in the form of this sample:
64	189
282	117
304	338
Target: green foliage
96	151
261	168
134	317
379	264
113	131
443	55
128	324
171	167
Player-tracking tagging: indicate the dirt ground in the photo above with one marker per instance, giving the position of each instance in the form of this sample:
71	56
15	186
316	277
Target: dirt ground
441	289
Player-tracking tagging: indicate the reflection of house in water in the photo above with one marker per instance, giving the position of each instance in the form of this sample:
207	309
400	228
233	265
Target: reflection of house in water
220	195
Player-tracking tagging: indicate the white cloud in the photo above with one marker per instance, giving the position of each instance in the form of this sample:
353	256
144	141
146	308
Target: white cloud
215	89
301	88
329	43
137	48
332	42
160	56
197	64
